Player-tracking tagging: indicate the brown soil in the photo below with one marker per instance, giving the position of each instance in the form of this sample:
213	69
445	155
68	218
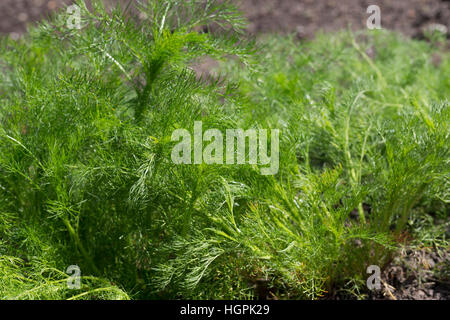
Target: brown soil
305	17
16	14
309	16
420	274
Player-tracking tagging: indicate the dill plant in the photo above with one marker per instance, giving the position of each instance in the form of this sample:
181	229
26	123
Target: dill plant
86	177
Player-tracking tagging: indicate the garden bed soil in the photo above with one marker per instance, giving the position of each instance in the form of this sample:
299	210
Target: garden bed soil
413	274
416	274
304	17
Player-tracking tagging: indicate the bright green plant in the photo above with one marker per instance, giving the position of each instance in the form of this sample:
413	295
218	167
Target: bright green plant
86	175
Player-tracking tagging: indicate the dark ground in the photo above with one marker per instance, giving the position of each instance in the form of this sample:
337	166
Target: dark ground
308	16
420	274
302	16
16	14
413	274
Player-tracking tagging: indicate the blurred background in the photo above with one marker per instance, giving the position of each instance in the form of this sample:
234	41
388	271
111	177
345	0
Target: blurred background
303	17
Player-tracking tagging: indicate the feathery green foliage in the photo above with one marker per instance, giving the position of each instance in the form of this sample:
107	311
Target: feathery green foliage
86	176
